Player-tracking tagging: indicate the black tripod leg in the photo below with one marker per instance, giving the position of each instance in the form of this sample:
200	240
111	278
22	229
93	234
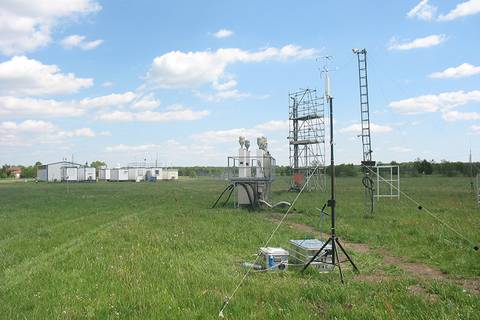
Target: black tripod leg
335	252
346	255
316	254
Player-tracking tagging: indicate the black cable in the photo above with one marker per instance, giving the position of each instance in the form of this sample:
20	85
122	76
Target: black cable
228	198
225	190
368	184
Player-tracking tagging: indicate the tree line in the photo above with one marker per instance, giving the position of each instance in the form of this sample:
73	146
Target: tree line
414	168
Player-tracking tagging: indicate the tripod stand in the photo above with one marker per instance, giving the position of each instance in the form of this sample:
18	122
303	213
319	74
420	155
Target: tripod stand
333	240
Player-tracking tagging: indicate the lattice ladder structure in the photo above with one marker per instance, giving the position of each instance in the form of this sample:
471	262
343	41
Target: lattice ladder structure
307	139
364	105
365	124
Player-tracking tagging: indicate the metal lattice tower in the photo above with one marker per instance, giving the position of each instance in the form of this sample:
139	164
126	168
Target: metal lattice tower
364	106
307	138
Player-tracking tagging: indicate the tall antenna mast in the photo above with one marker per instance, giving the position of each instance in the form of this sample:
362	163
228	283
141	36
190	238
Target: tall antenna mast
364	105
332	202
367	161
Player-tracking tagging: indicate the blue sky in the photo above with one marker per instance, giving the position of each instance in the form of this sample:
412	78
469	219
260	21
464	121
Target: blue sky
121	81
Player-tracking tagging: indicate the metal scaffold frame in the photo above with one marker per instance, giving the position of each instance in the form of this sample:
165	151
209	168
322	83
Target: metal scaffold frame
388	181
307	139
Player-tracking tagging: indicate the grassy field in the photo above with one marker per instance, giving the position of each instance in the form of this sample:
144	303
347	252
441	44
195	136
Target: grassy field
157	251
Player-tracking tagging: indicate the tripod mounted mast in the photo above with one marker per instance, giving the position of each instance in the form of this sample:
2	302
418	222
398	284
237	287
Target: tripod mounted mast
333	240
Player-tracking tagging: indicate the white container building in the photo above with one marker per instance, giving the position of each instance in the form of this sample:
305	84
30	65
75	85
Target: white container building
52	172
154	173
104	174
69	174
136	174
170	174
86	174
119	174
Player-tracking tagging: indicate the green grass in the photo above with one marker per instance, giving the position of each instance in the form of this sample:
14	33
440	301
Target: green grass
156	251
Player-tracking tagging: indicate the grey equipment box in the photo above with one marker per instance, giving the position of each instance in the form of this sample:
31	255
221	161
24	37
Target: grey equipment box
273	258
302	251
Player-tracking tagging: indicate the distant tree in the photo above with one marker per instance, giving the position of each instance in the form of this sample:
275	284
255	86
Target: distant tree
97	164
417	164
29	172
427	167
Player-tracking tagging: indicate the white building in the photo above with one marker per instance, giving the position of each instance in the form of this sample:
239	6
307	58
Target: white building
52	172
119	174
136	174
104	174
69	174
86	174
154	173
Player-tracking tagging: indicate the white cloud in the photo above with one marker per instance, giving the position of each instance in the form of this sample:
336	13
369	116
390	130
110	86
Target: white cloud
27	126
273	125
27	25
174	113
475	129
82	132
116	116
13	106
147	102
22	76
130	148
111	100
229	135
223	33
177	69
32	132
463	9
223	95
76	40
27	107
453	115
423	11
433	103
107	84
374	128
425	42
399	149
463	70
230	84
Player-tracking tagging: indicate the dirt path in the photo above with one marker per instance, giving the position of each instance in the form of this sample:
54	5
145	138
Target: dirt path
417	269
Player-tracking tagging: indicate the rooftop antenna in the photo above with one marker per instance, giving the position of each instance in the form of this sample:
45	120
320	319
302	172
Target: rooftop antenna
333	240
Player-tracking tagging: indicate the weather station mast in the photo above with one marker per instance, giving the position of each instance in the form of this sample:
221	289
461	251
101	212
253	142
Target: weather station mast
367	163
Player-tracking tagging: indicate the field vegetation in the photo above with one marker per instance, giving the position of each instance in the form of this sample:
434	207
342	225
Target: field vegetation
158	251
